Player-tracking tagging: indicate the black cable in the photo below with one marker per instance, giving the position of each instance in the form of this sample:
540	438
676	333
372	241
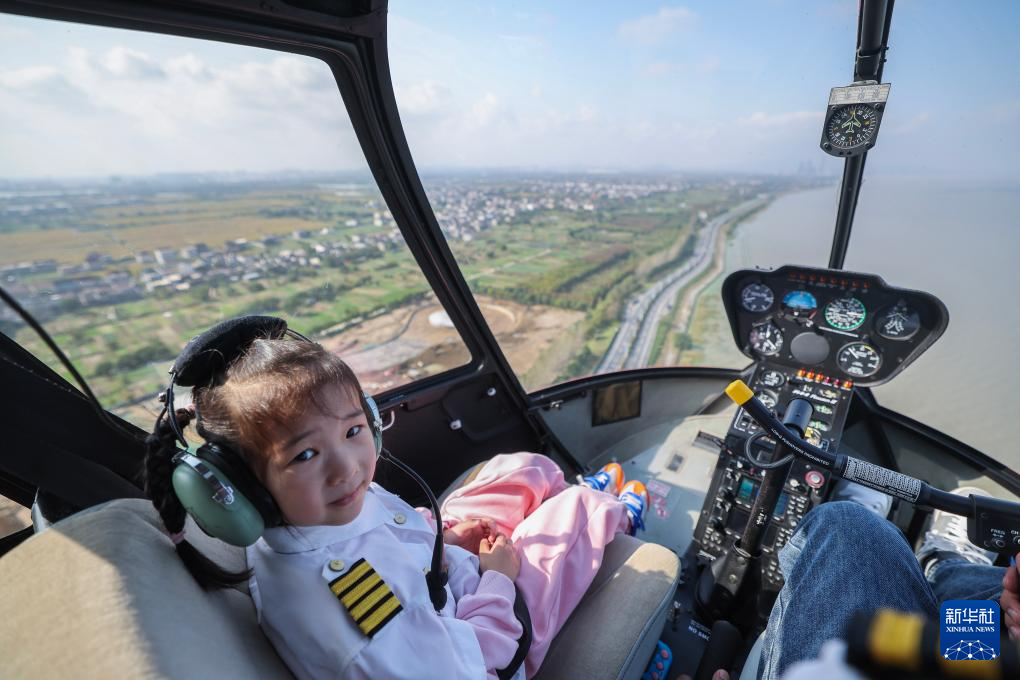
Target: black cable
41	332
757	462
437	577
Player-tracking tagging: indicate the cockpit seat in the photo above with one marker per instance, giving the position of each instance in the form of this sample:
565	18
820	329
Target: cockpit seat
101	594
599	640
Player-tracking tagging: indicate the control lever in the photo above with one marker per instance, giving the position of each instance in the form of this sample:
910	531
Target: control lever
718	586
992	523
798	415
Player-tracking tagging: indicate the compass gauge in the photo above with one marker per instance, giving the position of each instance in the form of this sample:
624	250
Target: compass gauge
845	314
757	297
852	126
859	359
766	339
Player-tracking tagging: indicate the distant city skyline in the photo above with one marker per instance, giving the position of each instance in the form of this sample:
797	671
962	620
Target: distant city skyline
575	87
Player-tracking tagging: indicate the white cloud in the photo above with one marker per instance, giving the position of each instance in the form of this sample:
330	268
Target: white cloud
122	110
423	97
654	28
484	111
124	62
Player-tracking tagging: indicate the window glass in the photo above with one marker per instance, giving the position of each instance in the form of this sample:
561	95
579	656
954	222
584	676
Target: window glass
943	217
592	141
151	186
590	162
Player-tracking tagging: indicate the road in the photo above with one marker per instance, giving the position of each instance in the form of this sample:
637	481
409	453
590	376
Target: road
632	345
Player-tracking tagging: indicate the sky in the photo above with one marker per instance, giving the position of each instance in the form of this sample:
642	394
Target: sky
570	86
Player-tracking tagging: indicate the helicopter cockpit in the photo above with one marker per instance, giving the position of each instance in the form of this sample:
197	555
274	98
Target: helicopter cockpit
175	164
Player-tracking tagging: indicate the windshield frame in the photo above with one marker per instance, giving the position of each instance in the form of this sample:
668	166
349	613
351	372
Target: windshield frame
353	45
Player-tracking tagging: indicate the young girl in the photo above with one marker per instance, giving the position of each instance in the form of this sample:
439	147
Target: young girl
339	585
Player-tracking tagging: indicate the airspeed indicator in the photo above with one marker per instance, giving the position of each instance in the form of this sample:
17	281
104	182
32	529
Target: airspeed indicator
845	314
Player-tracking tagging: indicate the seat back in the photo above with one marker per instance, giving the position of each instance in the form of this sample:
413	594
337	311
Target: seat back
102	594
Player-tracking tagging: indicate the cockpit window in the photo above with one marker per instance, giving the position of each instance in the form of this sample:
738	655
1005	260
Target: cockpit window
599	169
153	185
579	160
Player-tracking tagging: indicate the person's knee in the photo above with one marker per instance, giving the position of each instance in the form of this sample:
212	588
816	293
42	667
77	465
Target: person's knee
851	522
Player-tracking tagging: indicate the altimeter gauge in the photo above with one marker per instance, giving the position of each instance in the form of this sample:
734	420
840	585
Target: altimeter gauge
853	117
859	359
845	313
766	339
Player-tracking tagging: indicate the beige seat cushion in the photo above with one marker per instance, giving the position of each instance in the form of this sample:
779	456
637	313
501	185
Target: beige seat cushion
612	633
102	594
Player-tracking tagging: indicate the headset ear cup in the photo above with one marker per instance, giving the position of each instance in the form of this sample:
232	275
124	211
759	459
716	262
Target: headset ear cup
374	420
196	483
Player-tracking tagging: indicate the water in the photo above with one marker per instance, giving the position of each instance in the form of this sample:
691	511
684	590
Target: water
957	241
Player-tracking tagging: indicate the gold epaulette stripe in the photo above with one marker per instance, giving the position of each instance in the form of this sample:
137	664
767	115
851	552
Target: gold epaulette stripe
362	588
366	597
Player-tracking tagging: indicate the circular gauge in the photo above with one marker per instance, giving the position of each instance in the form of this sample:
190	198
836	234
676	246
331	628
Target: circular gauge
845	314
800	303
766	339
859	359
757	297
773	379
899	322
852	126
769	398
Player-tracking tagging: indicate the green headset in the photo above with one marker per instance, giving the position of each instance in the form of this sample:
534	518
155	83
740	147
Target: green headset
214	484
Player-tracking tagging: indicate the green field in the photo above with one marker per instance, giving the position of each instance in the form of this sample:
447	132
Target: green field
590	260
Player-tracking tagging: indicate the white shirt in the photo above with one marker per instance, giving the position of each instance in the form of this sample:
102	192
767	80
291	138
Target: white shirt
317	637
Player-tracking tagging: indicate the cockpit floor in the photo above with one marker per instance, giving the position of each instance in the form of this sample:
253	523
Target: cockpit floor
676	466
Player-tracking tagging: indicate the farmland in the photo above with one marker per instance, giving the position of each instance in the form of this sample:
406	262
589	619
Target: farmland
122	273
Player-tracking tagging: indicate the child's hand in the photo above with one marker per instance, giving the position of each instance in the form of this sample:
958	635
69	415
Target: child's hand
470	533
1010	600
499	554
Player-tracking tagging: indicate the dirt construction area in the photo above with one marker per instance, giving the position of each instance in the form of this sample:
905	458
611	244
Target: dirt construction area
408	343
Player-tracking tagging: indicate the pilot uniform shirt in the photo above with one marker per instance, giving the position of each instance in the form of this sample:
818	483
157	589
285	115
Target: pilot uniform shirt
351	600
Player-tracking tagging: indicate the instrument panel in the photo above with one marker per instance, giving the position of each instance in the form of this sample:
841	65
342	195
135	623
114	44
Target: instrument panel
852	327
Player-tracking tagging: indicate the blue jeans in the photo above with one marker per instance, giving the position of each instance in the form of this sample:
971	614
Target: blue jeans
843	559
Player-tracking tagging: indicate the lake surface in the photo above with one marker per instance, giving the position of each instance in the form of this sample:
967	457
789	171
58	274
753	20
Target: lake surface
958	241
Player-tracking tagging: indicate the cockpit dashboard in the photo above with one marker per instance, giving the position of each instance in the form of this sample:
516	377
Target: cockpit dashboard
850	328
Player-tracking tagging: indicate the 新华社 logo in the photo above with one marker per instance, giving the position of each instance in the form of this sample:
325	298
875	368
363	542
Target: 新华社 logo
969	630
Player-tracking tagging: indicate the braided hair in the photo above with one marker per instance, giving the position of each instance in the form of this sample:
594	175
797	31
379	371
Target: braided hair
160	448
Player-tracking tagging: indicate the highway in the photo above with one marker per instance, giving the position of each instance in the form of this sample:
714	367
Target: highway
632	344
